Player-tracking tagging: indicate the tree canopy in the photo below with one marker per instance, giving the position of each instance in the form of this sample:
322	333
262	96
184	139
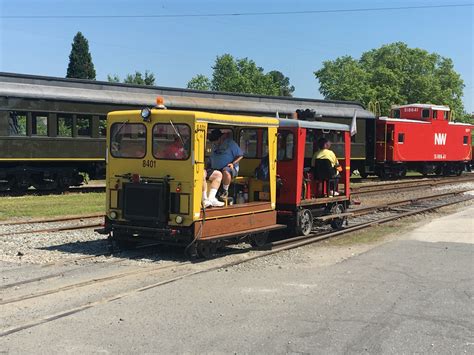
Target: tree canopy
393	74
137	78
80	59
242	75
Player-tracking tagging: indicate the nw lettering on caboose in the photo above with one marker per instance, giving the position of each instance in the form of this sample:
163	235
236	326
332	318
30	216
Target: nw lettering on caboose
440	138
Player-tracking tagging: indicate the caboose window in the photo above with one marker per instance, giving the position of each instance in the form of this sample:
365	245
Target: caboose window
446	115
17	123
435	114
396	113
84	128
465	140
171	141
248	142
401	138
39	124
425	113
64	126
128	140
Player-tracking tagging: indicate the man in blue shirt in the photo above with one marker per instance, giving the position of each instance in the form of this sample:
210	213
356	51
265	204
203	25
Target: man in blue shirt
225	157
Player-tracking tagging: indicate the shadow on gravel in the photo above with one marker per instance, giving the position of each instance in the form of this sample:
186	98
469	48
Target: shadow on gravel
103	247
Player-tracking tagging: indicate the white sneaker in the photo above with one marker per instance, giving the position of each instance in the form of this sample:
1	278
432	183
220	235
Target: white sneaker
216	203
206	203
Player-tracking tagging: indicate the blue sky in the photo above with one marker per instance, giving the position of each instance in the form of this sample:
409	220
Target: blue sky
176	49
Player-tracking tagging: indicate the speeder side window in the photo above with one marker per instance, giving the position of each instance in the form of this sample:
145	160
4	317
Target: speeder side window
171	141
248	142
128	140
286	146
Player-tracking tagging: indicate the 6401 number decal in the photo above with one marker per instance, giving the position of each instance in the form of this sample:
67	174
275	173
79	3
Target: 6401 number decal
148	163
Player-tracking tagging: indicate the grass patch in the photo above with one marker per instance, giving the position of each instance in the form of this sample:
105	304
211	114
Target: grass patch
372	234
51	205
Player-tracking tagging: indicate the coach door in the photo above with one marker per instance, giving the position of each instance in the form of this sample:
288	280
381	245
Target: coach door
389	139
384	141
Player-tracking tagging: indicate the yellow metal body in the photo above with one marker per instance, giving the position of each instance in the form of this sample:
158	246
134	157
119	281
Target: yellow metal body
187	175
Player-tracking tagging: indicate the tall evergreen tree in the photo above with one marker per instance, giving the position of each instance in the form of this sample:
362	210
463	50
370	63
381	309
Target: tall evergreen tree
80	60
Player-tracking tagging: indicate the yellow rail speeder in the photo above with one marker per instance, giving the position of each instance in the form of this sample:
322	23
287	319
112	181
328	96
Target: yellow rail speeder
156	160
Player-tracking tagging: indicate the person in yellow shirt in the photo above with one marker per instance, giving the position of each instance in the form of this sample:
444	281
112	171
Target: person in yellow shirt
325	153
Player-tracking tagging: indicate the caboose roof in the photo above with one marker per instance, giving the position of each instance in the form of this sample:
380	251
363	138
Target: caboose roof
288	122
428	106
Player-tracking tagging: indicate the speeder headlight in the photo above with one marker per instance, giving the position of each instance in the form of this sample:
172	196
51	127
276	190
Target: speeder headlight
113	215
179	219
146	114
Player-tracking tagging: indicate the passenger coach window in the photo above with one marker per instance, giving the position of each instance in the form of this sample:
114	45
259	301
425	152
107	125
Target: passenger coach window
248	142
285	146
84	126
17	123
64	126
102	126
171	142
128	140
39	124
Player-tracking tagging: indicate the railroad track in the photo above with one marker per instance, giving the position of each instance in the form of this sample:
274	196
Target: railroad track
408	185
188	269
52	229
70	190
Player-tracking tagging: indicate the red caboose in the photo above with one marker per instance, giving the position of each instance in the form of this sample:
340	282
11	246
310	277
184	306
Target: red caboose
304	196
421	137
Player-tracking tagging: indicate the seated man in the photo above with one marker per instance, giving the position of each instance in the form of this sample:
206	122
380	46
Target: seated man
225	158
325	153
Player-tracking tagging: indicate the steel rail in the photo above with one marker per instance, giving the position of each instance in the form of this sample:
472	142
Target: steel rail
51	220
53	230
380	188
54	275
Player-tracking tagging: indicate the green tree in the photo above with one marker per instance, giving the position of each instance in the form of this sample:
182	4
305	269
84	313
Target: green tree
393	74
113	78
80	59
283	82
199	82
242	75
137	78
